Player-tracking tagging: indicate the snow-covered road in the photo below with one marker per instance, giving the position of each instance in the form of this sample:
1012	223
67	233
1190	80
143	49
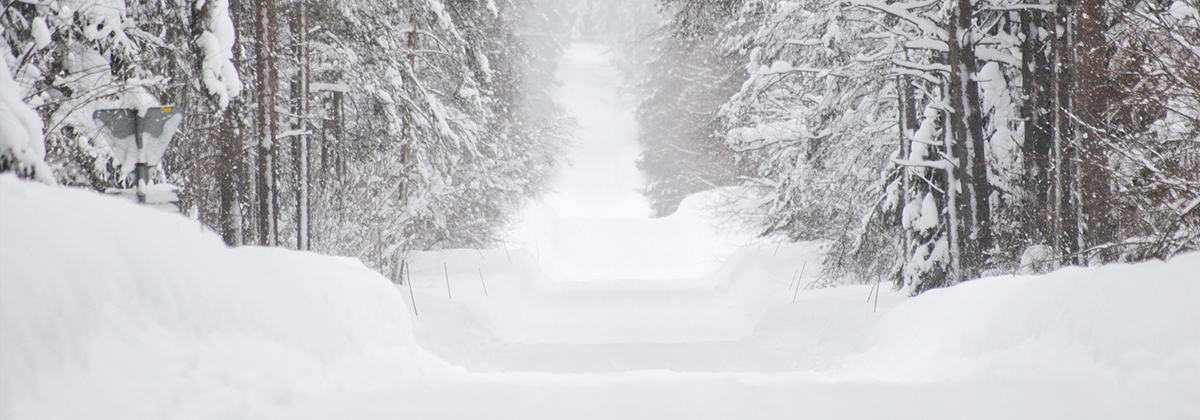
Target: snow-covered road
733	345
109	310
595	225
738	320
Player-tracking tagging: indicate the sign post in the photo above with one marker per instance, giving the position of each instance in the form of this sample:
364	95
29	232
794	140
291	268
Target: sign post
139	139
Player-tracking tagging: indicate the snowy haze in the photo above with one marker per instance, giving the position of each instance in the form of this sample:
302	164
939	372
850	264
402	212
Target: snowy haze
596	225
601	180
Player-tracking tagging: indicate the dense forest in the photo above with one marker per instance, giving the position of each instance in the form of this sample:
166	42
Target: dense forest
932	142
927	142
361	128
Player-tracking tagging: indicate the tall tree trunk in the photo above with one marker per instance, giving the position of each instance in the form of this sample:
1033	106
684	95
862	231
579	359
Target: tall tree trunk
229	145
300	145
408	138
1064	227
906	119
956	208
265	122
227	141
1092	94
961	189
273	74
1037	85
967	123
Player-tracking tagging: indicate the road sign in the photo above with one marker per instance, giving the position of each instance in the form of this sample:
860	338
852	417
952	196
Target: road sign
139	140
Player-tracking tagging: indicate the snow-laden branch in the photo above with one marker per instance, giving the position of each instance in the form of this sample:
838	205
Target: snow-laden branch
1048	8
218	73
992	54
803	42
785	68
924	75
927	26
943	164
927	44
922	67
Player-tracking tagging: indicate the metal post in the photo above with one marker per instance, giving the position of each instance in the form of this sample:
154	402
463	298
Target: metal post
141	171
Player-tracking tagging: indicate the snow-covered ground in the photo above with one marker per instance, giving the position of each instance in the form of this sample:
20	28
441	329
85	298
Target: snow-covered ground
595	225
110	310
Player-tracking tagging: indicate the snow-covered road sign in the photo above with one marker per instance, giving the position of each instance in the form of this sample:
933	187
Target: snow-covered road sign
139	140
123	126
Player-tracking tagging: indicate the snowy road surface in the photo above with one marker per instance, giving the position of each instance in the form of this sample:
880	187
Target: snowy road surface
735	346
595	224
112	311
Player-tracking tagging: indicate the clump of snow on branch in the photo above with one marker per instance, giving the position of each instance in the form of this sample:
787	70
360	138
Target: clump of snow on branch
41	32
1003	134
219	75
22	146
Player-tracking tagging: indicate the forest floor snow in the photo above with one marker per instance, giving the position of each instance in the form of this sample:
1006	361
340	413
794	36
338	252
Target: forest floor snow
110	310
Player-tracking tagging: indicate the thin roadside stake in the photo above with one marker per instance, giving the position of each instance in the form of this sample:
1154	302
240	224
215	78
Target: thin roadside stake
407	276
874	290
485	293
446	270
793	278
801	276
876	295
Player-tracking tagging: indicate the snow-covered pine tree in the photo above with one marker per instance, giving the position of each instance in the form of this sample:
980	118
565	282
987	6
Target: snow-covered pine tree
690	74
813	122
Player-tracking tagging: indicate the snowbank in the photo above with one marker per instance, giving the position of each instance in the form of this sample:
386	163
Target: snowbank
112	310
1120	322
108	307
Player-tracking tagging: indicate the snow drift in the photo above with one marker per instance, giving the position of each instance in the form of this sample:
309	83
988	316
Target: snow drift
115	308
112	310
1136	322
